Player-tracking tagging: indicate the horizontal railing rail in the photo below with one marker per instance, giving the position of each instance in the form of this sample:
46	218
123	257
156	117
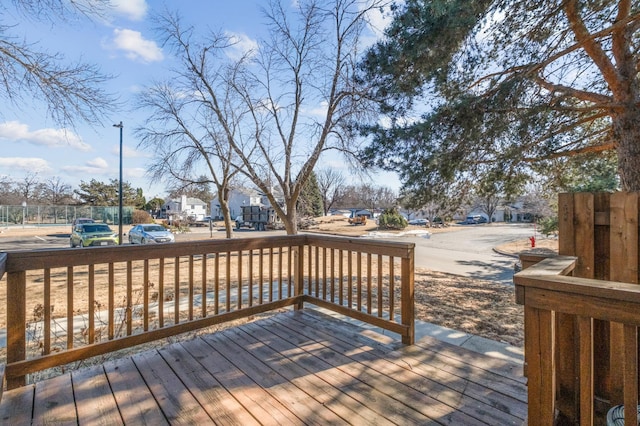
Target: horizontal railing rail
66	305
549	295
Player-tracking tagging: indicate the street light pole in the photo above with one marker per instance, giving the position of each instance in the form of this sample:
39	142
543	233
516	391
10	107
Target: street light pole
120	126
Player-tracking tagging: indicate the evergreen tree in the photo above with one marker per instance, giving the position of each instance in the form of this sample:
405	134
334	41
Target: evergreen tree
310	200
509	87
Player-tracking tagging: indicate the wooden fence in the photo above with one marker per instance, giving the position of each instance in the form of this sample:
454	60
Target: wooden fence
585	324
66	305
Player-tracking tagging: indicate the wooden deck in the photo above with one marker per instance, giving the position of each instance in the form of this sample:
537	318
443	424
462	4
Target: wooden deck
290	368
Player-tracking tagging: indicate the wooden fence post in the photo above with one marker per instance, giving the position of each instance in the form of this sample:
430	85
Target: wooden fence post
407	309
16	320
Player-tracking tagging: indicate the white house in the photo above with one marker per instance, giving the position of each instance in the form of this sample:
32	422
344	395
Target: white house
183	208
239	197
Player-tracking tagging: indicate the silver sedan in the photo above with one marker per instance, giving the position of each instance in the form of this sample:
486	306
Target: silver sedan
150	233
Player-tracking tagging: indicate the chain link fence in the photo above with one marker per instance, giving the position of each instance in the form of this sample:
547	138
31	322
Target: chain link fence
59	215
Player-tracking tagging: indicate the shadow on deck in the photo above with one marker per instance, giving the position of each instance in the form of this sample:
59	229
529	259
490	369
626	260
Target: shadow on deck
297	367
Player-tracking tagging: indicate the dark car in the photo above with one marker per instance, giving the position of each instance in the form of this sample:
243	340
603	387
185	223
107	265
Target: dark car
79	220
93	234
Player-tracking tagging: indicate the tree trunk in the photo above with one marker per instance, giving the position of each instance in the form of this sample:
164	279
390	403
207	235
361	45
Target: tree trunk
626	131
226	214
291	220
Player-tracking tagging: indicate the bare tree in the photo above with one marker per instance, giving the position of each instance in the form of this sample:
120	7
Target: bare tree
332	186
28	187
259	105
70	90
181	134
56	192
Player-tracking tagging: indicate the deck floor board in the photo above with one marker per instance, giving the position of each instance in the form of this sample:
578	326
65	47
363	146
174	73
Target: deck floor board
291	368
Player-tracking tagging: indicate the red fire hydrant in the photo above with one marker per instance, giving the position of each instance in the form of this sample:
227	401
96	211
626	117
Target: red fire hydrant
533	241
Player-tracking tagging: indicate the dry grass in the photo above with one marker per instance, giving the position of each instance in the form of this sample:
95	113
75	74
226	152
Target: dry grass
474	306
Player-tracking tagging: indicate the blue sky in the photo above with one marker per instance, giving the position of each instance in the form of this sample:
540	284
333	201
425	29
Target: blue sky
123	45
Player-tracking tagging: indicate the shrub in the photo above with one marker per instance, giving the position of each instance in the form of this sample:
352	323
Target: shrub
391	219
141	216
548	226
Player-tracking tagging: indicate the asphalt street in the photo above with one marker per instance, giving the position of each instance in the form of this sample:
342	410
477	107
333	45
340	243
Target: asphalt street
469	250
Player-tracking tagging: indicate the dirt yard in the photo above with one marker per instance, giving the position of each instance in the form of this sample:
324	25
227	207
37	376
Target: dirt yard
474	306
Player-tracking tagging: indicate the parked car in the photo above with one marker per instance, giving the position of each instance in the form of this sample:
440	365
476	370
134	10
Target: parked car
79	220
150	233
92	234
419	222
472	220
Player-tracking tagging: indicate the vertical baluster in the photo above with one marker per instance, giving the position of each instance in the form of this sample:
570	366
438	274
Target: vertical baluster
239	279
359	280
261	276
349	279
47	311
289	271
341	275
317	272
228	283
270	274
324	273
369	287
333	276
69	307
145	296
392	281
216	285
204	286
190	298
129	310
309	270
250	272
380	286
161	292
280	292
112	308
91	307
176	290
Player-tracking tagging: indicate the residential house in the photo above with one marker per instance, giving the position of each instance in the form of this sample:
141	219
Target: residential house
237	197
183	208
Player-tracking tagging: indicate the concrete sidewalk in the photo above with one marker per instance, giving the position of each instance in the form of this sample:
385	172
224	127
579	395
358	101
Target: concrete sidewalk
454	337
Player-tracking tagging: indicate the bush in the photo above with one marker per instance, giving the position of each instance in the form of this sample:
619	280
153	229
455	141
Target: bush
548	226
391	219
141	216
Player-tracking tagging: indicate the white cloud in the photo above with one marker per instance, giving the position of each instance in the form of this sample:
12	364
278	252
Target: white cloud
242	45
95	166
98	163
318	111
32	165
131	9
128	152
136	47
135	172
54	138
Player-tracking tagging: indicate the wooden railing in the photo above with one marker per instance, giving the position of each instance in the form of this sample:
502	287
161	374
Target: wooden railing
555	303
66	305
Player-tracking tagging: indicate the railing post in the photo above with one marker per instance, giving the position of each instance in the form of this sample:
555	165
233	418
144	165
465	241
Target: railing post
16	320
298	273
407	309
